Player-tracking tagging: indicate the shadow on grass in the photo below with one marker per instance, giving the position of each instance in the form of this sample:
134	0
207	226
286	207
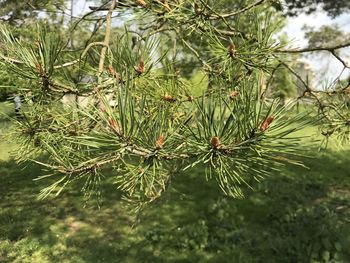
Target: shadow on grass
297	215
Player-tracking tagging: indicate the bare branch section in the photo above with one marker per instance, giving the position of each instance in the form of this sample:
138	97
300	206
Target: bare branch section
312	49
107	38
339	59
331	49
245	9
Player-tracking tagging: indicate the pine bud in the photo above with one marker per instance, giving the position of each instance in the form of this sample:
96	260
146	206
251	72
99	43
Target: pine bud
140	68
114	125
111	70
190	98
215	142
141	3
233	94
113	73
168	98
265	125
231	50
39	69
160	142
197	9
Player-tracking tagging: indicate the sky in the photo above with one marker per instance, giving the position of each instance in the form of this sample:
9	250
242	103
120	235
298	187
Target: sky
325	66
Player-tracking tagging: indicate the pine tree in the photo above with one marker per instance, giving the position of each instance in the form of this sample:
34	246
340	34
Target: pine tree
146	120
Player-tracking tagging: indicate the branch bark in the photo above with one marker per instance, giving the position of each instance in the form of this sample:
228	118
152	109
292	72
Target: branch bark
312	49
106	40
257	3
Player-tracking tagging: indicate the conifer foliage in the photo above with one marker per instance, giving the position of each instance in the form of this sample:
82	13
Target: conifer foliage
136	118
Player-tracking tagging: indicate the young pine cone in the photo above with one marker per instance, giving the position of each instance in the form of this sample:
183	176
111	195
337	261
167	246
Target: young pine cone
160	142
233	94
140	69
231	50
168	98
141	3
215	142
265	125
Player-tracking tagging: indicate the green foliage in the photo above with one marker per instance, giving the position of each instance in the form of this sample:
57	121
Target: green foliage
17	13
282	84
7	87
337	115
325	35
156	124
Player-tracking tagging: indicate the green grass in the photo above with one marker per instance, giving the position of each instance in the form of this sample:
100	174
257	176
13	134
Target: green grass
296	215
6	111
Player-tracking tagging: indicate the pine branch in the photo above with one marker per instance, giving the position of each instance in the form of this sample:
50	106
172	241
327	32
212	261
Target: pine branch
245	9
106	40
313	49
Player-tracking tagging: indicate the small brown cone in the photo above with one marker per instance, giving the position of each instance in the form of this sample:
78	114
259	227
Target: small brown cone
233	94
39	69
197	9
215	142
190	98
231	50
141	3
265	125
160	142
168	98
114	125
140	69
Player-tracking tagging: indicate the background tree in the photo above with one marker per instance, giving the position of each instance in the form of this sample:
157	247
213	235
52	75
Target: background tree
294	7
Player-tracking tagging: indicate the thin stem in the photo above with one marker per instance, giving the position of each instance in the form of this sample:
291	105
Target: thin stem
106	40
257	3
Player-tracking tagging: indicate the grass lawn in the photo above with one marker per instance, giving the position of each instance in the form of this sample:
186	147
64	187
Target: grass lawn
296	215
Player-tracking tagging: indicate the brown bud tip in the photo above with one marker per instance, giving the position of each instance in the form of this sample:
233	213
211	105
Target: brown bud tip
190	98
160	142
113	73
114	125
265	125
231	50
141	3
39	68
215	142
140	68
197	9
168	98
233	94
111	70
347	90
